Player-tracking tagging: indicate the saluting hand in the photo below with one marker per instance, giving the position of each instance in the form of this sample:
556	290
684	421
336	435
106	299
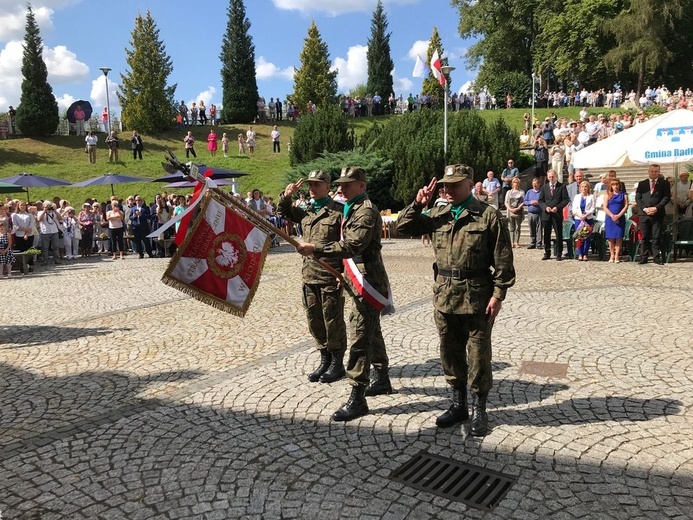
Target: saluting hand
423	197
293	188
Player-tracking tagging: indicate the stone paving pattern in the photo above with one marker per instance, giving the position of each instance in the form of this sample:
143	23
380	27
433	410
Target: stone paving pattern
123	398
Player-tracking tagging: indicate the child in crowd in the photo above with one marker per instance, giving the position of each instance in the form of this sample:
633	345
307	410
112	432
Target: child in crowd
241	145
6	256
224	144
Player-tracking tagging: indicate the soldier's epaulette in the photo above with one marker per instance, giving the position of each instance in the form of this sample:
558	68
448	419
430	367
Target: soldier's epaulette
367	203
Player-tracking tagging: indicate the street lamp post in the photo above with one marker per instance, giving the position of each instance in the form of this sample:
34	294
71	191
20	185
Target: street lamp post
531	125
446	70
105	71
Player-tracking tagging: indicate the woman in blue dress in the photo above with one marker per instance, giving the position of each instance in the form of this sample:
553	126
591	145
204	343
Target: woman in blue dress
615	208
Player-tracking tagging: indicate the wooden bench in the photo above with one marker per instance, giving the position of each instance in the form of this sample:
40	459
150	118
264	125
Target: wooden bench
22	261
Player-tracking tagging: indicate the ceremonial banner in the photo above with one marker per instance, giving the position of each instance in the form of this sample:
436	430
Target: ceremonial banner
220	261
437	68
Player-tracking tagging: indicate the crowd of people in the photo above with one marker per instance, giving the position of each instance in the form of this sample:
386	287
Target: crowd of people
550	202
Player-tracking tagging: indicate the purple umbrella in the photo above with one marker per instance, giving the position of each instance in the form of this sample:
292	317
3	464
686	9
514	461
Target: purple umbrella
217	173
29	180
188	184
109	178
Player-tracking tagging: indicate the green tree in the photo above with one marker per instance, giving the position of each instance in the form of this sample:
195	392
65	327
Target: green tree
314	81
415	146
37	113
431	85
238	78
326	130
146	100
379	169
642	31
380	63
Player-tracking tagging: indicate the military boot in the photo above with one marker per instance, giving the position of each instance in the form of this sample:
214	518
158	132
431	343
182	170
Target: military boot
355	407
379	383
457	412
325	360
479	425
336	370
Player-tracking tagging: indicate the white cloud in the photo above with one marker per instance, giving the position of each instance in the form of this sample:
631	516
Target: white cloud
402	86
335	7
266	70
62	64
353	70
13	20
64	102
98	94
420	48
466	88
206	95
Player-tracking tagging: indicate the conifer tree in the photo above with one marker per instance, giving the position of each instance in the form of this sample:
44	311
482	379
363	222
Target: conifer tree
380	63
314	81
431	85
238	77
146	101
37	113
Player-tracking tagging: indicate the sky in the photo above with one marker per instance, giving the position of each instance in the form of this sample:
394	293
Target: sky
82	36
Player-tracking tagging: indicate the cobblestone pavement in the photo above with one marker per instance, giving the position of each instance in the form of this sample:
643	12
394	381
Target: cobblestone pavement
123	398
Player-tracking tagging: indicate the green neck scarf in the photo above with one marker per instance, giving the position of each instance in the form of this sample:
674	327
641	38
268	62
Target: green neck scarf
318	204
457	209
350	204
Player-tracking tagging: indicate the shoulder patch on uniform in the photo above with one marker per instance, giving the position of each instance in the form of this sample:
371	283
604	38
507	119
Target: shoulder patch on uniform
367	203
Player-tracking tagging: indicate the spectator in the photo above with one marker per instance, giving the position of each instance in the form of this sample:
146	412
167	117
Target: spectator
224	144
23	224
541	157
49	222
515	208
137	146
91	141
492	188
534	214
113	144
71	234
241	145
6	244
583	215
615	208
189	141
212	142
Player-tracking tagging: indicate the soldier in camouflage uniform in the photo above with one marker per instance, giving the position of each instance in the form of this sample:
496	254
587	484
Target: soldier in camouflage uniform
322	297
473	270
360	242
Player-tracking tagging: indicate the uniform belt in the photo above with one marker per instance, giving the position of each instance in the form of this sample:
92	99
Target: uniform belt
463	274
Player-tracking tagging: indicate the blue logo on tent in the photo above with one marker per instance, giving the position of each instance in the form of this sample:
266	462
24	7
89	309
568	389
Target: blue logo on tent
675	135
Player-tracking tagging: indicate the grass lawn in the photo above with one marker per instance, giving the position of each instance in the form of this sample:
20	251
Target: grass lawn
63	157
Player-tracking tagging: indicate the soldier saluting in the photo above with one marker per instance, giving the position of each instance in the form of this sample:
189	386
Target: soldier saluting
473	270
368	285
322	298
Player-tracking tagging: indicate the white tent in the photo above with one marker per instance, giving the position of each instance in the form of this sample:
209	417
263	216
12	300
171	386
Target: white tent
663	139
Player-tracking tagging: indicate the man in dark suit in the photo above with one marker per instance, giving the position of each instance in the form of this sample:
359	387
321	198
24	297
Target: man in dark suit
139	219
553	197
652	195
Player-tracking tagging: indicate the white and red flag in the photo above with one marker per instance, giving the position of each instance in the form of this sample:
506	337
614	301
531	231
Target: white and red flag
437	68
221	260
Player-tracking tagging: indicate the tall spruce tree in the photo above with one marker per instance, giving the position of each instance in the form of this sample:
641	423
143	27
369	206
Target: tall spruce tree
238	78
431	85
314	81
37	113
146	101
380	63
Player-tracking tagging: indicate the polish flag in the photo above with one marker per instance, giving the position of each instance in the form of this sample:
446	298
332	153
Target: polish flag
437	67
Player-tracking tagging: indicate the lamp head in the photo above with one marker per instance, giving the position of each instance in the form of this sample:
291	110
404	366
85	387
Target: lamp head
105	70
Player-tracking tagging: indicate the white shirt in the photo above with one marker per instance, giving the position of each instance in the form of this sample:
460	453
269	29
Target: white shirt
49	223
275	135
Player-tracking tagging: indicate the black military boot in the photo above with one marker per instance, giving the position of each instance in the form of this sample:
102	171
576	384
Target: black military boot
379	383
479	425
325	360
355	407
457	412
336	370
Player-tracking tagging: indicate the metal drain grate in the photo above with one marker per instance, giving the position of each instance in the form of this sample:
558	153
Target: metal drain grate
477	487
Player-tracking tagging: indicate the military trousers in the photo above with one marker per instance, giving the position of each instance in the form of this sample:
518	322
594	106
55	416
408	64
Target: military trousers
367	346
324	306
465	350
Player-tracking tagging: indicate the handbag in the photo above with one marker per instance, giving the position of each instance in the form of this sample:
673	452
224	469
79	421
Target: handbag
60	234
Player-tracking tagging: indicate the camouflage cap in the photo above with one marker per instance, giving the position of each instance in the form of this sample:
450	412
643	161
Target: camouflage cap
456	173
319	176
351	174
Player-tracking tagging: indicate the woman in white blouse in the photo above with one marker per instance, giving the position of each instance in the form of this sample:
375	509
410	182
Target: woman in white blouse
583	215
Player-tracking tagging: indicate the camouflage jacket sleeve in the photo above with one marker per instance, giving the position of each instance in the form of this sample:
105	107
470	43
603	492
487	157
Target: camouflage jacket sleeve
413	223
287	210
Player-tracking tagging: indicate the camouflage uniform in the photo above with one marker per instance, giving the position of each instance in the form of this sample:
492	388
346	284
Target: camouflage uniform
361	231
463	285
322	298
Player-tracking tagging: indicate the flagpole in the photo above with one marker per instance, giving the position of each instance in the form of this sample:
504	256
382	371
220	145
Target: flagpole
446	70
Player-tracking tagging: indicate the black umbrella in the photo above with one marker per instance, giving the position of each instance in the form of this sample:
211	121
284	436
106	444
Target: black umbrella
86	107
109	178
217	173
29	180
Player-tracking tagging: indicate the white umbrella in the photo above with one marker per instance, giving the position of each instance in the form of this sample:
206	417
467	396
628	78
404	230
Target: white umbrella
661	140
